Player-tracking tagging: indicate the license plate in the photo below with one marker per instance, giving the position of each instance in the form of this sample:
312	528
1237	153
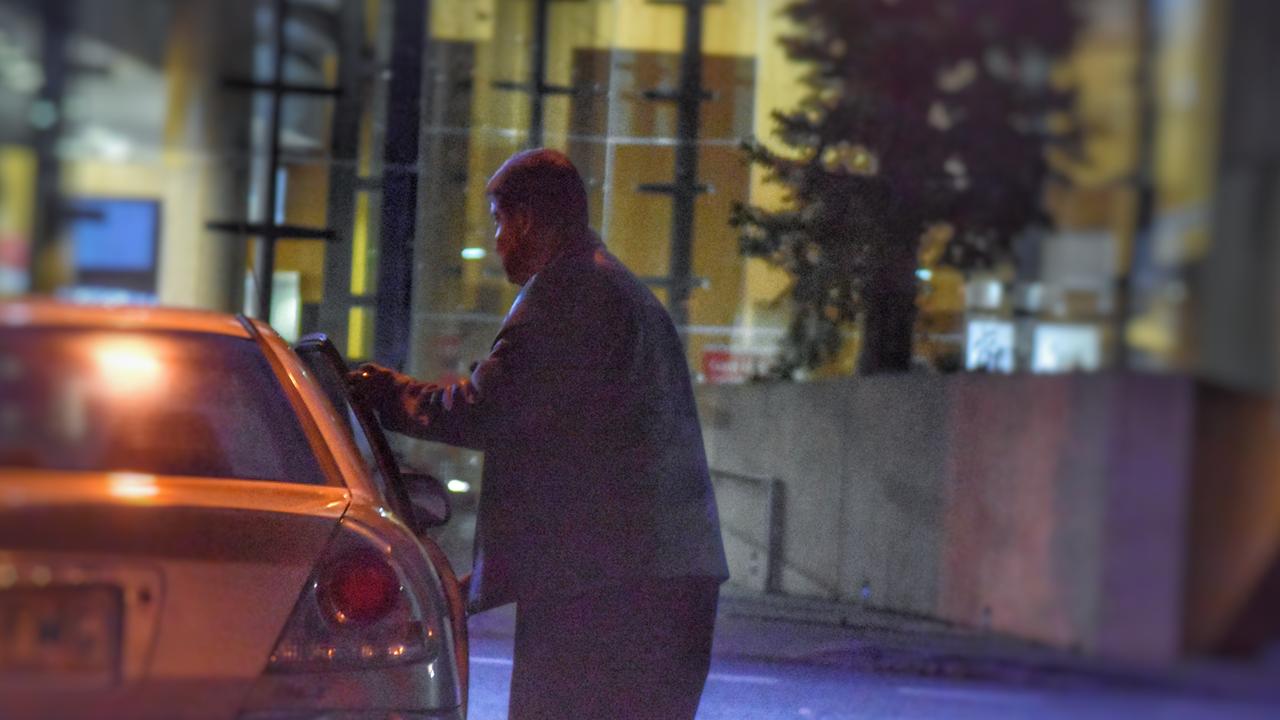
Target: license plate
55	632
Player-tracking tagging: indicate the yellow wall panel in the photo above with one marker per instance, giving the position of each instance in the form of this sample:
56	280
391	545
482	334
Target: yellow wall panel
189	255
729	27
468	20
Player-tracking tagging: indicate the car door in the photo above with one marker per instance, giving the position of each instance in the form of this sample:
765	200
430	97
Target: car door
420	511
329	370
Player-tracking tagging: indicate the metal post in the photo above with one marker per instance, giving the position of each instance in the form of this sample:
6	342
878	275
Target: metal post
264	254
49	201
775	560
400	183
538	72
686	179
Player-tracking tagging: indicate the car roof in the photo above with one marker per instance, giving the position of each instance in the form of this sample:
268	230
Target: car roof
53	313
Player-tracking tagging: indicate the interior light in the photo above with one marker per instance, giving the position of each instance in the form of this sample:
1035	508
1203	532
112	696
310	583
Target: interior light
41	575
924	274
474	253
128	367
458	486
132	486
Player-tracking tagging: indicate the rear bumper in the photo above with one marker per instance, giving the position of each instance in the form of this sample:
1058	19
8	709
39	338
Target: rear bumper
333	696
180	699
426	690
450	714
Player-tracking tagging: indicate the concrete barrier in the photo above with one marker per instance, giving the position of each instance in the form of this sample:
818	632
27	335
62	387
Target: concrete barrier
1053	508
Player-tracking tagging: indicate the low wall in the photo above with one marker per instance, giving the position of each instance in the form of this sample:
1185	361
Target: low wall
1049	507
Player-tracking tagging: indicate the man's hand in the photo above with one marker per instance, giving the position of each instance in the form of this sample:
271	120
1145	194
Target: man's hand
373	384
379	387
455	394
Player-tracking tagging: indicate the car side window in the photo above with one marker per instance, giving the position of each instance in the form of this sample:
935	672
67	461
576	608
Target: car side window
330	377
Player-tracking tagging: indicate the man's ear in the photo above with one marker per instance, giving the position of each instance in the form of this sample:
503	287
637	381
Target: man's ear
521	219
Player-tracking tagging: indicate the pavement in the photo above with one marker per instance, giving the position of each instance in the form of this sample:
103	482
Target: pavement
863	640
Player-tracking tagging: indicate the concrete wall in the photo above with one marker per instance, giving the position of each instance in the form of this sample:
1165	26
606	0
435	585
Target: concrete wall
1052	508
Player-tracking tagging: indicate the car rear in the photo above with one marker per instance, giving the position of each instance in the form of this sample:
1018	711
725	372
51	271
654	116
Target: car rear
132	596
170	530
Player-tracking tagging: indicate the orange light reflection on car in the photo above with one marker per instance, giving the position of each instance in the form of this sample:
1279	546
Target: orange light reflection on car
128	366
134	487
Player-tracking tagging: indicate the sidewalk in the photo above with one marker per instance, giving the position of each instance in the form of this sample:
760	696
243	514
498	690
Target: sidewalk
860	639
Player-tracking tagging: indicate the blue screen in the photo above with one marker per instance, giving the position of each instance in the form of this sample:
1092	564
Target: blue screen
122	239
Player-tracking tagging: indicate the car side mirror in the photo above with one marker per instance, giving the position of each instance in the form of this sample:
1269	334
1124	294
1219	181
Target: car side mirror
428	497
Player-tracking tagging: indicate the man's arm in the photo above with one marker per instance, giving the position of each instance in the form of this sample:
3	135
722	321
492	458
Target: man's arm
409	407
496	400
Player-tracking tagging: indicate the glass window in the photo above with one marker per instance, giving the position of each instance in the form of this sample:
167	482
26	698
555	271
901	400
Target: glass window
183	404
330	379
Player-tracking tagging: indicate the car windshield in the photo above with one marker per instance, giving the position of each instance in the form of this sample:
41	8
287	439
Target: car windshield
168	403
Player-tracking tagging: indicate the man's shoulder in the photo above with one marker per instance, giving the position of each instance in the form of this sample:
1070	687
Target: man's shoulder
594	277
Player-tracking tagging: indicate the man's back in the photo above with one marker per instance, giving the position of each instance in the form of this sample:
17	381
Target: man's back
603	477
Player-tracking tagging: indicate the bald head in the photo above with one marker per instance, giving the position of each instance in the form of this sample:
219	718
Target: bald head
544	183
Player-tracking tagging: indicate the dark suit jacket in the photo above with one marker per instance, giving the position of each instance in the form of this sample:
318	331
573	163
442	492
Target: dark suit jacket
594	468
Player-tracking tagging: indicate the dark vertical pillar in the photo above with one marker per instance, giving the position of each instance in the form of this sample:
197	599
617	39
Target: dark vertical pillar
50	208
400	182
1129	284
1235	290
344	145
538	72
264	253
686	181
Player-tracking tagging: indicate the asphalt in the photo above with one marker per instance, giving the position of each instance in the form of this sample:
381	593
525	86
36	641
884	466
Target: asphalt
869	641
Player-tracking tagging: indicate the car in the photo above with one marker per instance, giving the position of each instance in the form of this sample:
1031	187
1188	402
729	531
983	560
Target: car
197	521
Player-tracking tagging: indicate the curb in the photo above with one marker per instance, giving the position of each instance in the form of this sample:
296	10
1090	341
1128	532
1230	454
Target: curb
807	631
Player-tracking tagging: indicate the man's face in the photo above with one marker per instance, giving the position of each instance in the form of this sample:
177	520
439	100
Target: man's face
515	242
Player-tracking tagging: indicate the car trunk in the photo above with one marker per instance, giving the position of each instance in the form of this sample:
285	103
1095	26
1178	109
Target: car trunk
125	595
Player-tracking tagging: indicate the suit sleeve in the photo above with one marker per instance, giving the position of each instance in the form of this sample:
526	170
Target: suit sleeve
517	382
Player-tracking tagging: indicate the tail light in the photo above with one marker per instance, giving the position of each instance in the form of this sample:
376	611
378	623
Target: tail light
357	611
359	589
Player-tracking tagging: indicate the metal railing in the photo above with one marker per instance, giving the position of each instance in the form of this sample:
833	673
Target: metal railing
774	496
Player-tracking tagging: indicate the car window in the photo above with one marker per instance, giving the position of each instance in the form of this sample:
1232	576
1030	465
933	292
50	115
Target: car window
166	403
325	368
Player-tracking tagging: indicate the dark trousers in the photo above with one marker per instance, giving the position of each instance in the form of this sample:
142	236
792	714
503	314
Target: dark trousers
626	652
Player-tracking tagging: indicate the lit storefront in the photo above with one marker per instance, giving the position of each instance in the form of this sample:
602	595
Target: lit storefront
138	163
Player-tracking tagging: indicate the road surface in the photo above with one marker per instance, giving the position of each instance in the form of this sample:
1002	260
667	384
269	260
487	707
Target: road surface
760	690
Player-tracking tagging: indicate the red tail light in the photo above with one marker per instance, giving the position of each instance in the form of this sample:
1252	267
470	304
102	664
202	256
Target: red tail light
358	611
359	590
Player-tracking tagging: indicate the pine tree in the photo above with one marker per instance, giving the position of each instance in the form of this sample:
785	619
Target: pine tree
917	112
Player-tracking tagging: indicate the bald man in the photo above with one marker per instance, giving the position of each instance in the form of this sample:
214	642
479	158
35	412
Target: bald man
596	513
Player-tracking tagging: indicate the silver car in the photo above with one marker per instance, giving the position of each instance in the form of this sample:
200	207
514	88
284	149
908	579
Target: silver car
196	522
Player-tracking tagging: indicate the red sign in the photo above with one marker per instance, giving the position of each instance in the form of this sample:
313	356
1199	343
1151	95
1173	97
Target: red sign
723	365
14	252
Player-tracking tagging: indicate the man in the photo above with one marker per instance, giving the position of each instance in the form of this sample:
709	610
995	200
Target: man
596	515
